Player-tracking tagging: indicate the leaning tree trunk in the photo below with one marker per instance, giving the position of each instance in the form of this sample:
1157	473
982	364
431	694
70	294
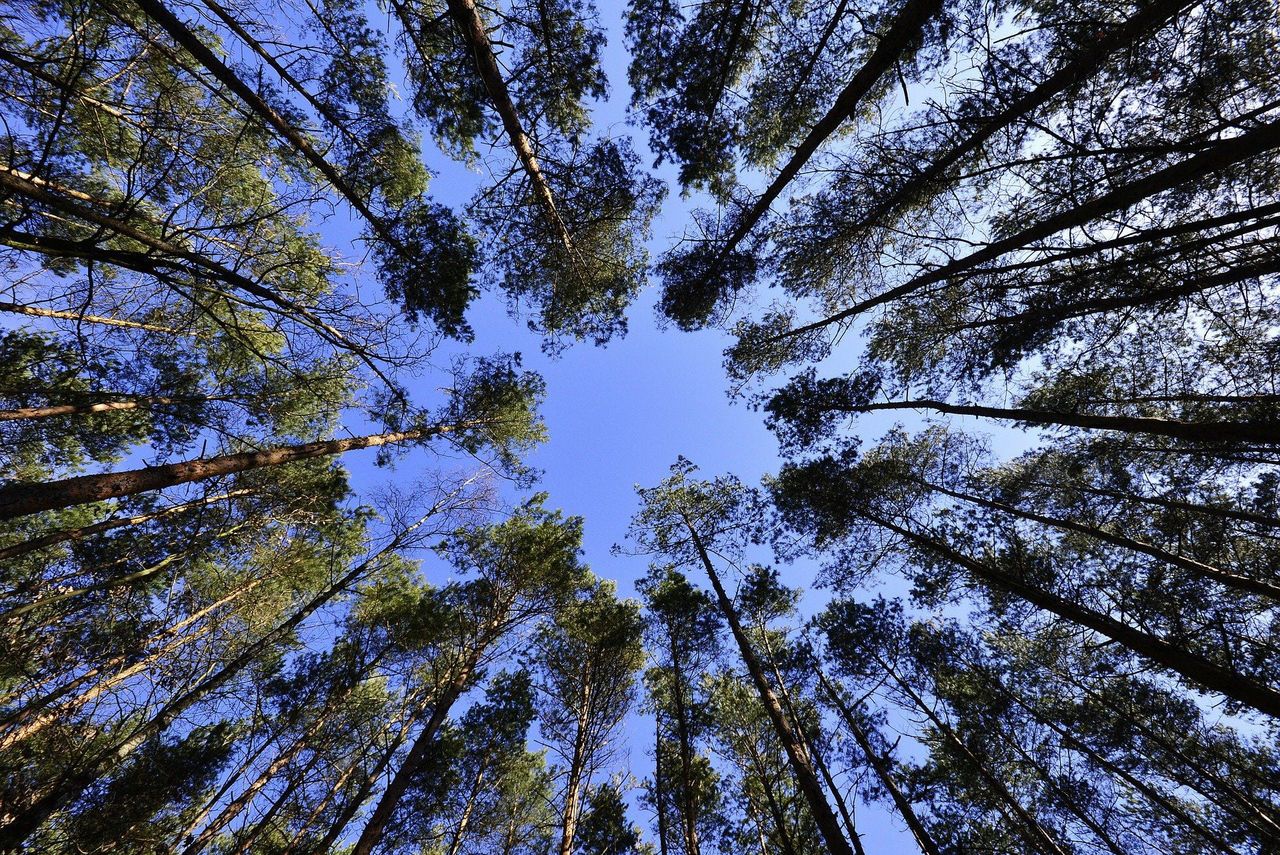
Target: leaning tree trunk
17	500
801	764
1191	666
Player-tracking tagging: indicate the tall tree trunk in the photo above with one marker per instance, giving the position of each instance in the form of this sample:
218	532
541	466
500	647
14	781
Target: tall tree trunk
880	766
467	18
1264	433
1194	668
1030	829
1219	156
191	43
145	402
1222	577
801	765
81	318
417	757
577	771
689	813
890	47
90	769
659	783
18	500
1087	63
54	538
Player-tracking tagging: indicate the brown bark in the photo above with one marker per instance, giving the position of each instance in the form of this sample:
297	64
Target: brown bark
18	500
1222	577
1266	433
797	755
1192	667
201	52
1220	155
145	402
472	28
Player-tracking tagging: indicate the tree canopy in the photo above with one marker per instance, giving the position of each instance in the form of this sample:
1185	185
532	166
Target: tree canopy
1002	280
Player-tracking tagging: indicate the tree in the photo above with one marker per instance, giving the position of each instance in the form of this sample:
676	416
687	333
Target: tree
586	660
685	521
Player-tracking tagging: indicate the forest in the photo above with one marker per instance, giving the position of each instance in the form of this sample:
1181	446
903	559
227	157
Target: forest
340	339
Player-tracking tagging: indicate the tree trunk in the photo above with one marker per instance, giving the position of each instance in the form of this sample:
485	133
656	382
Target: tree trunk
659	784
1085	65
1265	433
1192	667
1222	577
897	40
201	52
1032	831
82	318
467	18
78	534
17	500
91	769
801	765
417	757
1220	155
880	767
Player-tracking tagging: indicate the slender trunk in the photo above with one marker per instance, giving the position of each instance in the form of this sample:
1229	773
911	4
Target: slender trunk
164	254
82	533
577	769
201	52
127	579
1205	782
801	765
472	29
880	766
1170	504
689	813
903	33
417	757
1264	433
814	752
455	845
91	769
1219	156
1085	65
81	318
18	500
37	715
659	783
1032	831
1222	577
140	403
1191	666
776	813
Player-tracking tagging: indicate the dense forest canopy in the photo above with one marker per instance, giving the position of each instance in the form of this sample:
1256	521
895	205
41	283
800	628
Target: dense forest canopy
1002	279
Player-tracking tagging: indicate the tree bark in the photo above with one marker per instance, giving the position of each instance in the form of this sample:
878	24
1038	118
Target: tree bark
1221	155
78	534
1194	668
467	18
17	500
880	767
801	765
1265	433
905	29
1222	577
